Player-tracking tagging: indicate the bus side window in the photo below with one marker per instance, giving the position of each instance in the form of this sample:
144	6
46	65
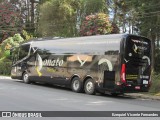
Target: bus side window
24	51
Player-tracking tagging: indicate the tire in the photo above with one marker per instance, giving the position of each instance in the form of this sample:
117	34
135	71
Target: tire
89	87
25	78
76	85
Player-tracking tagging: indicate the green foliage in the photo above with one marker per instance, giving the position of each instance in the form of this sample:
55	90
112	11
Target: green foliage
17	39
157	61
9	43
63	17
5	68
147	24
26	35
96	24
139	17
94	6
12	42
155	87
57	18
5	58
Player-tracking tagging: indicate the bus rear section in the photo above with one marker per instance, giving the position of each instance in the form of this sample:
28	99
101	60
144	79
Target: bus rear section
135	72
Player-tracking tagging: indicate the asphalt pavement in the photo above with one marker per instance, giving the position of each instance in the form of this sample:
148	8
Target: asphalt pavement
133	95
17	96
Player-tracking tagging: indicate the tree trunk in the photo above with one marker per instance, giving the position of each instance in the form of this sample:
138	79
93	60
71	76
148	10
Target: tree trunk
153	37
32	14
115	12
28	10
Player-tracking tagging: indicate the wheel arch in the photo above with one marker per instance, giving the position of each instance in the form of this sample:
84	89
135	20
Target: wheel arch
25	71
86	78
74	76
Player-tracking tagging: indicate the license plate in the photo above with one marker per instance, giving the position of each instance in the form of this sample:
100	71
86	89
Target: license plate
145	82
137	87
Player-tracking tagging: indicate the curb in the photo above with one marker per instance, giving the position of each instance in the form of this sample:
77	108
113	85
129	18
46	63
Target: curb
144	96
5	77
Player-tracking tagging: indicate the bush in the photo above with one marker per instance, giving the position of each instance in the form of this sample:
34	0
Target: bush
5	57
27	36
5	68
157	59
155	87
10	42
96	24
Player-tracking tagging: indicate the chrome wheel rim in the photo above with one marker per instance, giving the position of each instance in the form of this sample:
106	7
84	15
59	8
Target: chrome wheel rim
89	86
76	84
25	77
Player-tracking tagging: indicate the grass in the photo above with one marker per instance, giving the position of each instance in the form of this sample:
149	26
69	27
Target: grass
5	75
158	94
155	87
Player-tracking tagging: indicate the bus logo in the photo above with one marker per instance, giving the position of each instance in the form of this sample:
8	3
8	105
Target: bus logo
53	63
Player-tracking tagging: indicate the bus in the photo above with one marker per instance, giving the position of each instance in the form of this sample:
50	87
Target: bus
114	64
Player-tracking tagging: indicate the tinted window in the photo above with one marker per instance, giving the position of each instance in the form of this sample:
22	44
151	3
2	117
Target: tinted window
23	51
138	51
138	47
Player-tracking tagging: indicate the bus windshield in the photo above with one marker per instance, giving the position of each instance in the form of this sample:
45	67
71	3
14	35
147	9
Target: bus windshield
19	53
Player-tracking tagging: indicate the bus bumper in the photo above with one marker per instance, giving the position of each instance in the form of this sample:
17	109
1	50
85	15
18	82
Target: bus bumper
124	89
131	89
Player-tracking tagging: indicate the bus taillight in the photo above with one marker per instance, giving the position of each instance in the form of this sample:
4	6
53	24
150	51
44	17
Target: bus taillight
123	73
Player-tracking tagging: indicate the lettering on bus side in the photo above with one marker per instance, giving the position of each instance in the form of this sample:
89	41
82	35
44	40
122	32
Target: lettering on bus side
49	62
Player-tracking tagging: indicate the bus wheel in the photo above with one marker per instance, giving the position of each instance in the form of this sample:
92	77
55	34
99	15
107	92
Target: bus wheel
76	85
25	78
89	87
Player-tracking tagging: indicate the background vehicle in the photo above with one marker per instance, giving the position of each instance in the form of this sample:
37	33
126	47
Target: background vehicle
116	63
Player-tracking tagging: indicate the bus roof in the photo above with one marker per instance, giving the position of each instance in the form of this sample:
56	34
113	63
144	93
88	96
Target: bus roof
98	44
94	37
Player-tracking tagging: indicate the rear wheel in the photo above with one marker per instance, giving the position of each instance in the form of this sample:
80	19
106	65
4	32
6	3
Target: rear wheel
25	78
76	85
89	87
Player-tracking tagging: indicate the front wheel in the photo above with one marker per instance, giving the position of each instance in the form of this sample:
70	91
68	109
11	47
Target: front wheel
25	78
89	87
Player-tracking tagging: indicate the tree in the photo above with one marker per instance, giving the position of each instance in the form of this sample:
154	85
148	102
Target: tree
11	20
88	7
147	21
58	18
73	13
94	6
5	57
8	44
29	12
96	24
115	29
141	17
